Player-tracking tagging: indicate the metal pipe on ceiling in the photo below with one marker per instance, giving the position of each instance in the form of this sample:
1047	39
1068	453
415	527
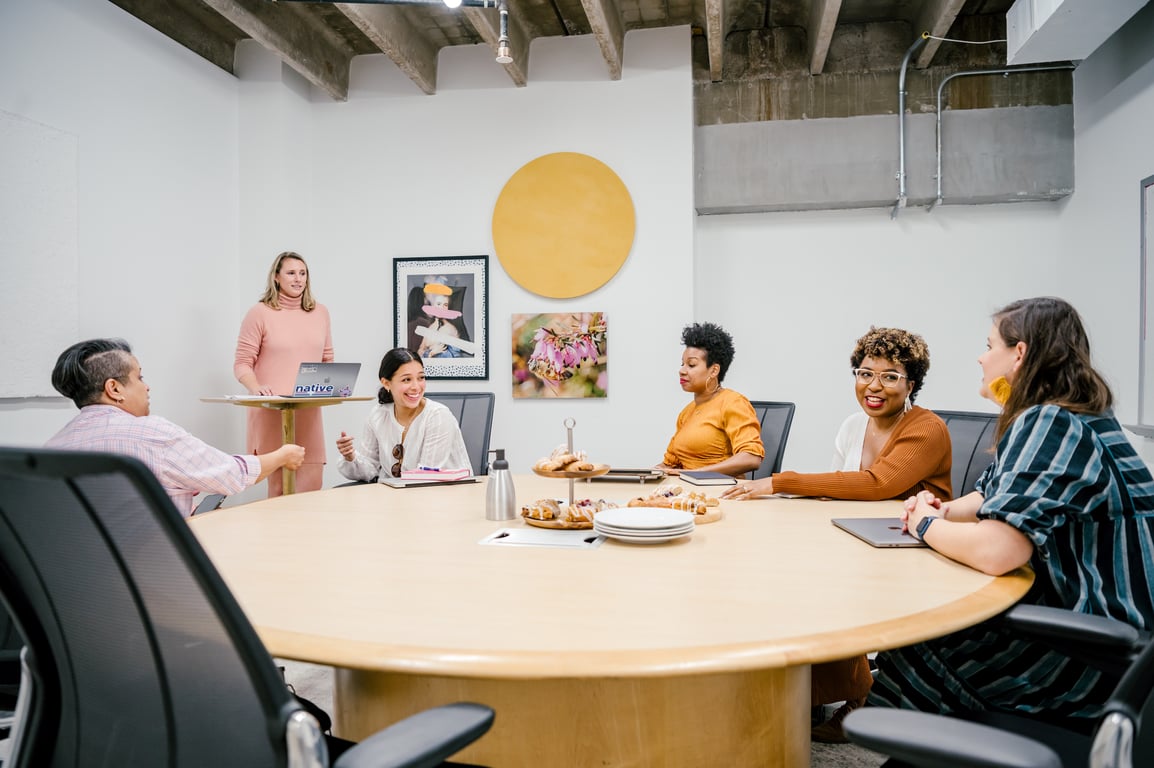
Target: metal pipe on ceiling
1005	71
901	201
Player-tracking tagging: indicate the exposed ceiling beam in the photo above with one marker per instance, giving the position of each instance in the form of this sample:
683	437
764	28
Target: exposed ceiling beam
715	36
936	17
605	22
822	22
391	30
304	43
487	22
192	25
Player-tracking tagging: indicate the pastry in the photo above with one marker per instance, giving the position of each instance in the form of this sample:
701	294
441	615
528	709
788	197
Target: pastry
673	497
542	509
583	511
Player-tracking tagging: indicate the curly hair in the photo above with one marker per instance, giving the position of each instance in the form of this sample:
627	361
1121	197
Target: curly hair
898	346
714	341
1056	367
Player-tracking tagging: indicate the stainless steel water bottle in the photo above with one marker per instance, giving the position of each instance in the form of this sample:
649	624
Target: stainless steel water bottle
500	498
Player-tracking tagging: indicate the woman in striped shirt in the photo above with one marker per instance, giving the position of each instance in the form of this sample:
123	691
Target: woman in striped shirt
1066	495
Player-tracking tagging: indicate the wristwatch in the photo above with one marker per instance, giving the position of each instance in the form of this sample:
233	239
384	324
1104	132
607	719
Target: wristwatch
924	525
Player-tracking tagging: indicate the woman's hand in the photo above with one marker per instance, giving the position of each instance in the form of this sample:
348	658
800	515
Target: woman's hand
751	490
345	446
917	507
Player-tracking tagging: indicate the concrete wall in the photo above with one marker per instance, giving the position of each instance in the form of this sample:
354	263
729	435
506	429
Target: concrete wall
1015	154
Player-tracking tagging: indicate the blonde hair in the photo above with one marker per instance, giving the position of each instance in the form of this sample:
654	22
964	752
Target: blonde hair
272	289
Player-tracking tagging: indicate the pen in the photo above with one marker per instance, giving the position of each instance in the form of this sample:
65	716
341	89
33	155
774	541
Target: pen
429	469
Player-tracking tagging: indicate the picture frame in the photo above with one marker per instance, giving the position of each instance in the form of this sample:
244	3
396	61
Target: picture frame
1145	425
441	309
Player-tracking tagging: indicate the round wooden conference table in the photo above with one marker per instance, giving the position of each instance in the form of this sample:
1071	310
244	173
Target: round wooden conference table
688	653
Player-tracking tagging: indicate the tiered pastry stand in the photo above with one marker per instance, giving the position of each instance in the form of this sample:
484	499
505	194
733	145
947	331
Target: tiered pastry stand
598	469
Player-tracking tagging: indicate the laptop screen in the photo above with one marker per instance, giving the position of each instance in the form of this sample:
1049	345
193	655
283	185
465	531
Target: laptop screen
325	380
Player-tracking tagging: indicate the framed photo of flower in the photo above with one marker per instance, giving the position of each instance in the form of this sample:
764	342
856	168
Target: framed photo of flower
442	314
560	354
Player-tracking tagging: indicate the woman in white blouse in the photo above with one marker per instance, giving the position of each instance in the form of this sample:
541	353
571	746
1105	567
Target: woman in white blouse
405	430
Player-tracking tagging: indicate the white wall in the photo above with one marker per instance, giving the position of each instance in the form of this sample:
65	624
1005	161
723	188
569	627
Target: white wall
395	173
157	185
798	289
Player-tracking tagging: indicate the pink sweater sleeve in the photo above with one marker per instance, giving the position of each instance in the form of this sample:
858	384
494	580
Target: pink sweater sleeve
248	343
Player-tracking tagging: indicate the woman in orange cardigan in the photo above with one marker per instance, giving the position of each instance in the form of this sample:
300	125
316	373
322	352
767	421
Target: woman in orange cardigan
892	449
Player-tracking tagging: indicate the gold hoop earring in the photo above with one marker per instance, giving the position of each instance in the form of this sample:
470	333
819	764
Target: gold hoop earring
716	387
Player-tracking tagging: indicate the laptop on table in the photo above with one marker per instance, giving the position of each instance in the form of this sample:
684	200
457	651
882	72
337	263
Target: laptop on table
877	531
325	380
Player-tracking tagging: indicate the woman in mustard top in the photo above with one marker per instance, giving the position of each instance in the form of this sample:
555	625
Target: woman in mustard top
719	430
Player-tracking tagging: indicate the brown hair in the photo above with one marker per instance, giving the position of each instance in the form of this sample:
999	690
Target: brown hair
897	346
1056	367
272	289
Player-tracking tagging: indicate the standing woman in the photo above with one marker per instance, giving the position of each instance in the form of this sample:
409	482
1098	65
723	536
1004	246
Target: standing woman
718	431
286	328
1068	496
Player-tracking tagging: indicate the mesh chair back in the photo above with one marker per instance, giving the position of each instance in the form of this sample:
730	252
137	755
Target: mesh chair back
474	412
141	656
972	442
776	419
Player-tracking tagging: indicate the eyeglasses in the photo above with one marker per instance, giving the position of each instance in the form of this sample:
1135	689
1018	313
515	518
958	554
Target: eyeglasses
398	454
889	379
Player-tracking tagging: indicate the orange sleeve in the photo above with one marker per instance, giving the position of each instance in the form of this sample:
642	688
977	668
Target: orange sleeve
743	428
917	457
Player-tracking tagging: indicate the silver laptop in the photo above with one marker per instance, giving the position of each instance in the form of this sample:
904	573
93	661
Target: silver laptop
325	380
877	531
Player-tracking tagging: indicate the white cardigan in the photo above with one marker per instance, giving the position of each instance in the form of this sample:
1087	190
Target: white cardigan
433	440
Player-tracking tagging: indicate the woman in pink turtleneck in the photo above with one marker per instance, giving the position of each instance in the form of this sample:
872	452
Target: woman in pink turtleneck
286	328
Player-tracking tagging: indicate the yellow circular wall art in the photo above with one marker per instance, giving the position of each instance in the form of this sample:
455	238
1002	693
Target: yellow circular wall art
563	225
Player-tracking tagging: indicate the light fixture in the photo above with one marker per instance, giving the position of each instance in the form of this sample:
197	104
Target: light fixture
504	55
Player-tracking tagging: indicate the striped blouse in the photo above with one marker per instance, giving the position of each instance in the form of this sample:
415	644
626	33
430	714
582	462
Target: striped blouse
1075	486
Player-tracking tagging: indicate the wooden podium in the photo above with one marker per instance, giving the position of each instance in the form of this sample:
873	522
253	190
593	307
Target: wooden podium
288	407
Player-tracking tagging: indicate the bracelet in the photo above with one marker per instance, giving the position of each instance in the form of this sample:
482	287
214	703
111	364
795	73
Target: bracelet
923	526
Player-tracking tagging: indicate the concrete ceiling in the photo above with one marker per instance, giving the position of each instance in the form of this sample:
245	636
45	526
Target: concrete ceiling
737	44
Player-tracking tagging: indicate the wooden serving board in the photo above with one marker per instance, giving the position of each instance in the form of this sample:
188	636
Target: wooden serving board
597	471
557	524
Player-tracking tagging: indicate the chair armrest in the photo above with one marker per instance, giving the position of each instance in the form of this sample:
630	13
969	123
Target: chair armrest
1064	625
934	741
422	741
1099	642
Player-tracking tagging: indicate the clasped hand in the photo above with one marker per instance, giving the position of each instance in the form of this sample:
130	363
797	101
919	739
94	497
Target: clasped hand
916	507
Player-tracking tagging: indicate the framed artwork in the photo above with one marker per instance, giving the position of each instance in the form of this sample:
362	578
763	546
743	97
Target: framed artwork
560	354
1145	425
442	314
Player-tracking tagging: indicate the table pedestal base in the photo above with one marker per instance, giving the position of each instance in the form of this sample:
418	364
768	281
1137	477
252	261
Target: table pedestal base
756	718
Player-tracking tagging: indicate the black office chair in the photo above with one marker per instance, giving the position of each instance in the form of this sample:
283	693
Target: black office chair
776	419
1121	737
474	412
136	652
972	442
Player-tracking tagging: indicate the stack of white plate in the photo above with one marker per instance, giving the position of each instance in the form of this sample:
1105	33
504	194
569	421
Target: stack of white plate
643	525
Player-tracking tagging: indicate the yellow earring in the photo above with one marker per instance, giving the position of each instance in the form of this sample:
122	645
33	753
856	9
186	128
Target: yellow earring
1000	389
